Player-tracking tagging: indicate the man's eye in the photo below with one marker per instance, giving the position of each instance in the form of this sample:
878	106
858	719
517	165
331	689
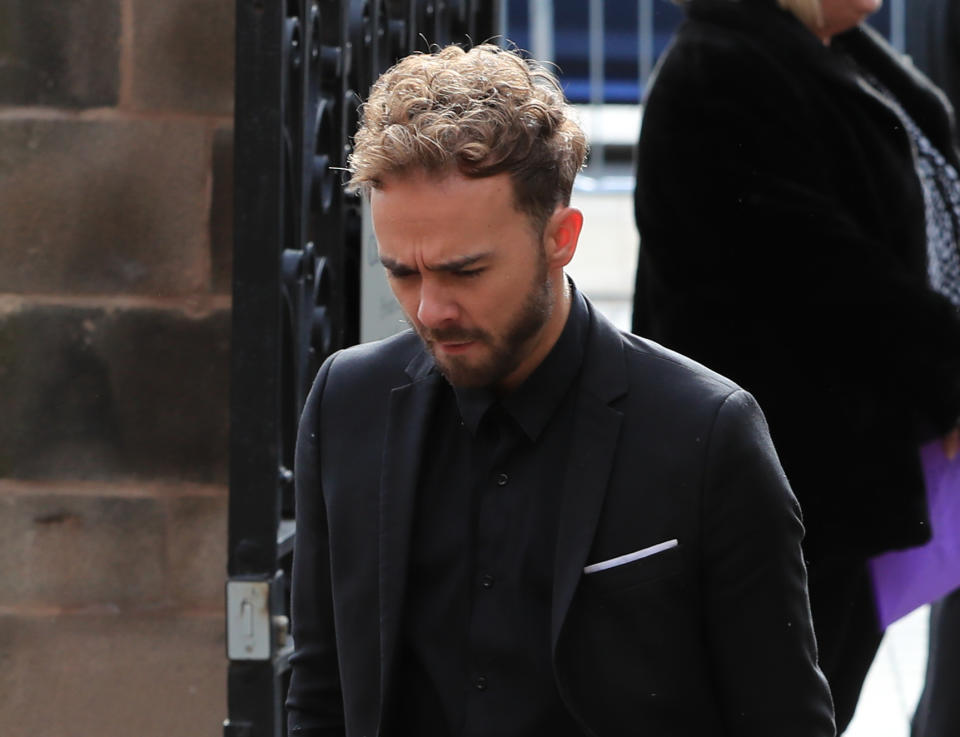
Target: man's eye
468	273
401	274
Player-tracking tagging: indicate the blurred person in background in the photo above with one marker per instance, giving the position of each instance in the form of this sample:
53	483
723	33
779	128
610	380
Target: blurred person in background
933	42
798	212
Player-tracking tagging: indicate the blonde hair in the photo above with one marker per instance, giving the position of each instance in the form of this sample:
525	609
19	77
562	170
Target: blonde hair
480	112
808	12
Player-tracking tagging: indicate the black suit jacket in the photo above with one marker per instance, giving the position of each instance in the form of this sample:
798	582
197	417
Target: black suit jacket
712	637
783	244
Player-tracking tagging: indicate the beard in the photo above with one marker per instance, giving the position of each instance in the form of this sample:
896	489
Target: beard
505	351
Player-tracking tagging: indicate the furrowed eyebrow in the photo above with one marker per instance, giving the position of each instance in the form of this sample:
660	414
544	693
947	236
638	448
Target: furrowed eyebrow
396	268
459	264
399	269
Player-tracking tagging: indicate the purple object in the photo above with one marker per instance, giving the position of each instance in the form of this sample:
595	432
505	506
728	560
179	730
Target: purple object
906	579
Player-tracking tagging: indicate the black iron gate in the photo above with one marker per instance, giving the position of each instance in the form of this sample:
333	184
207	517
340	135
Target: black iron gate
302	67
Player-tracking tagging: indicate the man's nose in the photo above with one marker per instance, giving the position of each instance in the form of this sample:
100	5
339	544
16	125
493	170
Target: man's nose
437	305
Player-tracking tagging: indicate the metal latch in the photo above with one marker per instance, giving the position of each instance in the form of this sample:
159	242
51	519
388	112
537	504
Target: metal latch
248	620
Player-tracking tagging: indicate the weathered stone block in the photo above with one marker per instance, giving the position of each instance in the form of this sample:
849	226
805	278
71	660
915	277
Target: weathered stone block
221	211
74	552
197	545
112	676
103	393
104	206
195	41
59	53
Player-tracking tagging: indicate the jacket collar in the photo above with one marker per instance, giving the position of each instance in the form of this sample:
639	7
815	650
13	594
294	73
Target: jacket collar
925	103
421	365
408	415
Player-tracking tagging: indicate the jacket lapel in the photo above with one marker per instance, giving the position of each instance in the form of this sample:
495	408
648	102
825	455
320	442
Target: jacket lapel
919	97
407	422
592	453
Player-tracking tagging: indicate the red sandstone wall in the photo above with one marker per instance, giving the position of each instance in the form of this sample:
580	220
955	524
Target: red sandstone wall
115	243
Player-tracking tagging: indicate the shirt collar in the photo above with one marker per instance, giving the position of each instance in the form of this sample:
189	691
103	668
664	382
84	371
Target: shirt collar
473	403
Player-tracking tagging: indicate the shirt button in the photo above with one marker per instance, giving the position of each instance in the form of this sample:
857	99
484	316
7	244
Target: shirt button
487	581
480	683
502	479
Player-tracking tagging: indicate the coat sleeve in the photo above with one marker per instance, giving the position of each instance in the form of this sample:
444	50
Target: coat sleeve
760	636
314	702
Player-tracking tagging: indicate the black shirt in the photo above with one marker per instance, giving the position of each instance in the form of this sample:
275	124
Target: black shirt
476	654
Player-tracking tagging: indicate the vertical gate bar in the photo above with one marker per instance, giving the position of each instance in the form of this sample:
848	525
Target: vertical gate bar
541	29
898	19
500	17
255	339
255	345
597	155
645	45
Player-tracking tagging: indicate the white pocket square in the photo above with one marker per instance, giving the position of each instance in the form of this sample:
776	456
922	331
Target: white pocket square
622	560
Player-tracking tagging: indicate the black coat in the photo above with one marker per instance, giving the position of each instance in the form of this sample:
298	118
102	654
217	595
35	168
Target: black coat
711	637
783	244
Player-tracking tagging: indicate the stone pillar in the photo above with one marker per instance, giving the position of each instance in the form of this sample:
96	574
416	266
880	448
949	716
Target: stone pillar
115	250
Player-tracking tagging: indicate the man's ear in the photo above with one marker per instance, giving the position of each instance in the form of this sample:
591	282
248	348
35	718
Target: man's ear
562	235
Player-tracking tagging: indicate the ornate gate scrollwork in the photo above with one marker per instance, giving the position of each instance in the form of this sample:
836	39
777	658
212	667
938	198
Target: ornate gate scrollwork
302	68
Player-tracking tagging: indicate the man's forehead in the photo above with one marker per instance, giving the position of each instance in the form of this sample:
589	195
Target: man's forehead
416	175
452	203
441	179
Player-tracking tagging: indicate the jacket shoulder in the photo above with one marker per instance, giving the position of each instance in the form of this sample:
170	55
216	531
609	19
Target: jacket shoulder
652	377
675	375
361	377
379	361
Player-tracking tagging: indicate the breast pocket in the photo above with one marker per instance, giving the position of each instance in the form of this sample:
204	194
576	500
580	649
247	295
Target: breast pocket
627	575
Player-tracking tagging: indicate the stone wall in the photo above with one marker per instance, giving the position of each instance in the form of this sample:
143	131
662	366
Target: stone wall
115	243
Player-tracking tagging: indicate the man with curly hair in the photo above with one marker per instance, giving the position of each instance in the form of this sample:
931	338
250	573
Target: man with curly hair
515	519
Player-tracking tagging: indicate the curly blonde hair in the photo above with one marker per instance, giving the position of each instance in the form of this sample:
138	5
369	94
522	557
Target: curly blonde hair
480	112
809	12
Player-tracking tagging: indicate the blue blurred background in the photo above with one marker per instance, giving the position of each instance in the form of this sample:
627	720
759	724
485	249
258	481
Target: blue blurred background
634	34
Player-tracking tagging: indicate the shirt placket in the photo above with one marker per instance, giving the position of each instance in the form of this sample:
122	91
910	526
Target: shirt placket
491	579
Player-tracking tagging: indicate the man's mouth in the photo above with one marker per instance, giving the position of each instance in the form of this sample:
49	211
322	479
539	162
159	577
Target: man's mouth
453	347
451	340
